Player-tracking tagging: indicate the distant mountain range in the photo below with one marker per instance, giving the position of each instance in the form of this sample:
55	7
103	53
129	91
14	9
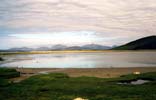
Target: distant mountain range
146	43
89	47
62	47
20	49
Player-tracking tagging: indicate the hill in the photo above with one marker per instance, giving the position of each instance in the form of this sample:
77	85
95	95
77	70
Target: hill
146	43
22	49
95	47
60	47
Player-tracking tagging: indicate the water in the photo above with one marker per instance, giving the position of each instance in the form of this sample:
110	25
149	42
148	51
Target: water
139	81
82	60
135	82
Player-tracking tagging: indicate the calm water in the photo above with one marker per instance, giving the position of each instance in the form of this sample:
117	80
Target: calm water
82	60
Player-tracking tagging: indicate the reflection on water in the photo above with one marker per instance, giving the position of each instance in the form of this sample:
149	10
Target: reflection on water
82	60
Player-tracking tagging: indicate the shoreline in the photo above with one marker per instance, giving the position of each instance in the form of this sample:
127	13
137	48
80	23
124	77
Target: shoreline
78	72
72	51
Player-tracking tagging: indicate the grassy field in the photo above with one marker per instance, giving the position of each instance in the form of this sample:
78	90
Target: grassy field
6	74
58	86
54	51
73	51
1	59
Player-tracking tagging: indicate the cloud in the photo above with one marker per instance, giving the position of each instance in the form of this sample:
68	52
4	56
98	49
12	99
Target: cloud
129	19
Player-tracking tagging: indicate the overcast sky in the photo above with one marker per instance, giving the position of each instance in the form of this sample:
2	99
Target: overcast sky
75	22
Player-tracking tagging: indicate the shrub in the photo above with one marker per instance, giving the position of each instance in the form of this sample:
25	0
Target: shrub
1	59
8	73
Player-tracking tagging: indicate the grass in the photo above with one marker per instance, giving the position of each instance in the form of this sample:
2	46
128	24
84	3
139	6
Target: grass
1	59
71	51
58	86
7	73
53	51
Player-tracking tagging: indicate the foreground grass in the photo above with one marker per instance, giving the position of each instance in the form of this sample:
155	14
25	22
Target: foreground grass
6	73
1	59
57	86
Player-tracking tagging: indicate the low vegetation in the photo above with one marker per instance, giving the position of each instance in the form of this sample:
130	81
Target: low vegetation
7	73
58	86
146	43
1	59
51	52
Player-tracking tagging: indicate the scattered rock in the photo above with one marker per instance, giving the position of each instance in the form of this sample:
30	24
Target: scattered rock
80	99
136	73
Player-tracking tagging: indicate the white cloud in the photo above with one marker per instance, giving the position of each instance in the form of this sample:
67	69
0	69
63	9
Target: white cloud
128	19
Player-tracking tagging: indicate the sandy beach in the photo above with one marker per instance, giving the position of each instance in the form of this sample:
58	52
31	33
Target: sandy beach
77	72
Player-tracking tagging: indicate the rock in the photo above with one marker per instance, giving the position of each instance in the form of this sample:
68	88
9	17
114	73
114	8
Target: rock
136	73
80	99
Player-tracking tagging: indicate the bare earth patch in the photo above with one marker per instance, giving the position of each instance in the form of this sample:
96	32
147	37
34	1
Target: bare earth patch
76	72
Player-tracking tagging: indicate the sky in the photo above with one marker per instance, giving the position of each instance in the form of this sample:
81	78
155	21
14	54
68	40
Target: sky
33	23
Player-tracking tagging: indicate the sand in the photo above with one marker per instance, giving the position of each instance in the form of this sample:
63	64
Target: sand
77	72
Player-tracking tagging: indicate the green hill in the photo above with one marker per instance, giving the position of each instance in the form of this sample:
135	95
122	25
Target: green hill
146	43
